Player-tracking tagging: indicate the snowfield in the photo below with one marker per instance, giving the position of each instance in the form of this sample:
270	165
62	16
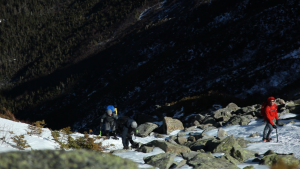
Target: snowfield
288	135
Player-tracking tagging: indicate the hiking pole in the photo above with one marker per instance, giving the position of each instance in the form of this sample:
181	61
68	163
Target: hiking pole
277	135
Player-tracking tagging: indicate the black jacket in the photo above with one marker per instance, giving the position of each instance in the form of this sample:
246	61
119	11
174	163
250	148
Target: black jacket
108	118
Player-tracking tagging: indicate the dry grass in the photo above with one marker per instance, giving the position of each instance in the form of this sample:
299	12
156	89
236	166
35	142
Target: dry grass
282	165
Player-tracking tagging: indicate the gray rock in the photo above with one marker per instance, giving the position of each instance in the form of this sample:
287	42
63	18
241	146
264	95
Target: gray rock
199	117
180	164
170	125
190	129
221	146
221	113
242	154
145	149
189	156
192	139
239	120
168	147
162	161
248	109
242	142
249	167
198	145
229	158
221	133
233	107
208	161
59	159
209	120
254	134
289	159
196	123
180	134
145	129
171	141
181	140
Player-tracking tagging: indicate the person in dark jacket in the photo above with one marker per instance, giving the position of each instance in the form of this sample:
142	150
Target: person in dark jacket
270	116
110	121
126	128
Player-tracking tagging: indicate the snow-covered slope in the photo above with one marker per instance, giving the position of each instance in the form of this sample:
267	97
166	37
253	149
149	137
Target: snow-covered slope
288	136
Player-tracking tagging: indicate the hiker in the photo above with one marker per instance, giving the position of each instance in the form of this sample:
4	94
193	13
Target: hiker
269	111
110	118
127	127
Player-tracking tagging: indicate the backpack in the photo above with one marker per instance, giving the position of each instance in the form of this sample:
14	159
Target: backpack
263	109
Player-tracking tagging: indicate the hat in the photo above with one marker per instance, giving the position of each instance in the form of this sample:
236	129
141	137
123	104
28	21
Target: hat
109	112
271	98
133	124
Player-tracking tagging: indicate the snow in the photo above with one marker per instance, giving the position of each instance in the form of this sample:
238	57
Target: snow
288	136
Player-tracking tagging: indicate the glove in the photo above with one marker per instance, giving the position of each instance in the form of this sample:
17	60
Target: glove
277	122
274	126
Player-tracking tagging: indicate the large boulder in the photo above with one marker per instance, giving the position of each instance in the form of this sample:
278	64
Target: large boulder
221	114
145	129
209	120
273	158
59	159
145	149
208	161
162	161
233	107
241	154
190	155
248	109
197	145
169	147
229	158
170	125
221	146
239	120
242	142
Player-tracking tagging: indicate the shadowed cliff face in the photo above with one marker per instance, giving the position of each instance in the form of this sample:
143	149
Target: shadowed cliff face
180	48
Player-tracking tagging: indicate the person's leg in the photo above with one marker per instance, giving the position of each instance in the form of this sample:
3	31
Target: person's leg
270	130
107	128
266	130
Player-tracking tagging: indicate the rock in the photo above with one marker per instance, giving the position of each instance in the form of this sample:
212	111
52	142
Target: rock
288	159
239	120
59	159
145	129
173	137
145	149
189	156
242	142
280	101
171	141
181	140
198	145
248	109
269	152
199	117
203	135
222	133
208	129
249	167
254	134
180	164
241	154
229	158
169	147
204	126
209	120
192	139
196	123
208	161
221	113
180	134
232	106
221	146
159	136
171	125
162	161
190	129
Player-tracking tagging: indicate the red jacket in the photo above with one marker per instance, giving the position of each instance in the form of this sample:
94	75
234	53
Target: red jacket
271	113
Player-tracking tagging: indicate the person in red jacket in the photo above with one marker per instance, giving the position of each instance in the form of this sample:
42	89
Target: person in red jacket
270	115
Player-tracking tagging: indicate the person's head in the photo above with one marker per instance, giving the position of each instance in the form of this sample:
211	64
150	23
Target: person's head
133	125
271	100
109	112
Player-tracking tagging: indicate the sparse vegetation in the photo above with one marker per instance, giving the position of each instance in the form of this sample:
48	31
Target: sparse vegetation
36	128
21	143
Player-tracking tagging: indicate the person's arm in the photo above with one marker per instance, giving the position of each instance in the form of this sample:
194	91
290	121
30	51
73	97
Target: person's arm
115	116
268	115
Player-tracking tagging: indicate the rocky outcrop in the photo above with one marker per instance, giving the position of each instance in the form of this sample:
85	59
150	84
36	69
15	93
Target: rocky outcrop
241	154
222	114
271	157
221	146
145	129
239	120
63	160
208	161
145	149
170	125
198	145
169	147
162	161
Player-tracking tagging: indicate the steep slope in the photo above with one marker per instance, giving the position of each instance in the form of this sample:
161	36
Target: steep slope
174	49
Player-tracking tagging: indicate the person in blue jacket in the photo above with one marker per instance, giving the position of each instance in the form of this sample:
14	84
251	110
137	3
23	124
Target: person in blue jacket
126	128
109	118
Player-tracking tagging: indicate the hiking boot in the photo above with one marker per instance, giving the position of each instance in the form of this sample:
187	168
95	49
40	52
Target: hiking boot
269	139
265	140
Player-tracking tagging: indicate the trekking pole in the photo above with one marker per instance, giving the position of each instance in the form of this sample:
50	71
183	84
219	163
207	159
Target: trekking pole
277	135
